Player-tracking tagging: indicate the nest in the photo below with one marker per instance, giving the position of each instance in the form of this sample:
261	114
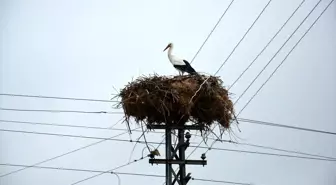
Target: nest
173	100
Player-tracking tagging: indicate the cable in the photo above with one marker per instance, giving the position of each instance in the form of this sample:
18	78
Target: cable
83	137
273	148
239	119
277	125
284	126
119	173
276	54
60	125
248	30
266	45
269	154
70	126
59	111
112	170
79	170
142	142
288	151
64	154
220	67
109	171
78	136
285	57
213	29
228	141
218	181
57	97
263	10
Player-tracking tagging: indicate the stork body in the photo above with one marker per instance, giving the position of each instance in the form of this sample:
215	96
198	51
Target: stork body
179	64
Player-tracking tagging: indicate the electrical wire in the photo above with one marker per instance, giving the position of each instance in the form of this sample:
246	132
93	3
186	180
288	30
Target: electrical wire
79	170
278	149
57	97
213	29
276	125
142	142
64	154
62	125
112	170
217	181
69	126
119	173
285	126
271	40
79	136
228	141
221	66
282	62
109	171
59	111
248	30
285	57
239	119
269	154
275	54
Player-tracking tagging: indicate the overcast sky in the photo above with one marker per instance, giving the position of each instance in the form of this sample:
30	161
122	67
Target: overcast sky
82	48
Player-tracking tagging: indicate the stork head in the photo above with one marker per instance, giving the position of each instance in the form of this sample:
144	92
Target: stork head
168	46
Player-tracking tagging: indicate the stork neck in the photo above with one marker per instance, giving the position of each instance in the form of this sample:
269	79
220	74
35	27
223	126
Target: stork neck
170	49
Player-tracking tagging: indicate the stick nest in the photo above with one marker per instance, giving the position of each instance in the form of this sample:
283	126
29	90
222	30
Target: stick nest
167	100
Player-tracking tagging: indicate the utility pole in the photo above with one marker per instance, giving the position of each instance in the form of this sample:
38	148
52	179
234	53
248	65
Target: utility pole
177	155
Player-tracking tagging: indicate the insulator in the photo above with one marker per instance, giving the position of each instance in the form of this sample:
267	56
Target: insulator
203	156
187	135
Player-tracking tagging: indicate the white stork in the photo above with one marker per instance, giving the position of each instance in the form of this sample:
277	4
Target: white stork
180	64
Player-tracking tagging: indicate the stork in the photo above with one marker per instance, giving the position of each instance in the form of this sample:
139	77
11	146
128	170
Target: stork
180	65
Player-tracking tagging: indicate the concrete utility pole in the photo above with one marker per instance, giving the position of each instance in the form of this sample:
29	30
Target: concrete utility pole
177	155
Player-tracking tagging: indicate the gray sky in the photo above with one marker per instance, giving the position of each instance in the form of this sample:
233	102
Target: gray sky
84	48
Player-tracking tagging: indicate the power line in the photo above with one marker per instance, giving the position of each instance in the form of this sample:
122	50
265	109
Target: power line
220	67
286	57
149	142
248	30
64	154
57	97
109	171
78	136
239	119
266	45
59	111
228	141
285	150
217	181
79	170
104	112
285	126
213	29
67	125
276	54
119	173
266	153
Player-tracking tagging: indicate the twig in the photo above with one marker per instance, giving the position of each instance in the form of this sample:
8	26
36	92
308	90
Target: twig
144	135
198	89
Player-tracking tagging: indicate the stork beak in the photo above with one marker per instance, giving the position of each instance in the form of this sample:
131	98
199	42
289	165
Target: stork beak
166	48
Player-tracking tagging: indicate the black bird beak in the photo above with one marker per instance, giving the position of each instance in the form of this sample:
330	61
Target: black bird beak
166	48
